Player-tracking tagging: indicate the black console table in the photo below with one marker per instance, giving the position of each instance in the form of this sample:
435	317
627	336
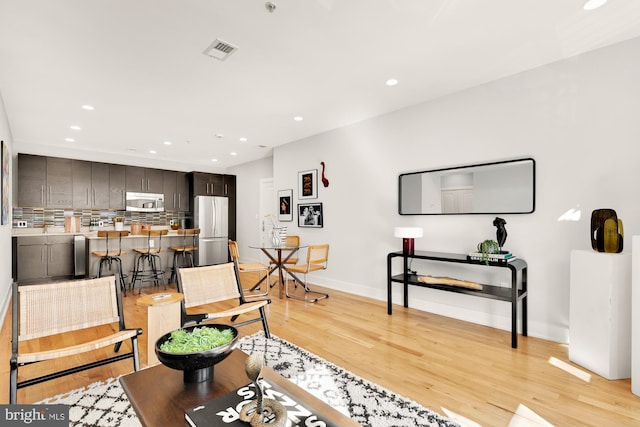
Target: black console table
513	294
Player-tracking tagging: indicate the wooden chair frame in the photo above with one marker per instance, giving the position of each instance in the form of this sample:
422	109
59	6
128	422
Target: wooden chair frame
215	283
48	309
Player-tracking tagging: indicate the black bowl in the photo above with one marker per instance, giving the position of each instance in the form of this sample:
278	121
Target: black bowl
197	366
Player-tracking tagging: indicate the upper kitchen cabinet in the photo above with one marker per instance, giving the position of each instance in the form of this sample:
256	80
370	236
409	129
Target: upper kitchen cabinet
229	186
90	184
81	183
117	187
144	180
176	191
209	184
59	186
44	181
100	189
182	181
32	180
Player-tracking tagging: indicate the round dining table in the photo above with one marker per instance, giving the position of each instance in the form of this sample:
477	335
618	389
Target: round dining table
278	260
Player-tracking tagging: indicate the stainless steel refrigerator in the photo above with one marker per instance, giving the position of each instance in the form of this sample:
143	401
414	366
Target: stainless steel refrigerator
211	216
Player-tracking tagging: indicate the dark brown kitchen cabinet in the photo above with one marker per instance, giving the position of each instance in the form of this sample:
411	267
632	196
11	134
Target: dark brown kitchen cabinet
81	183
170	190
182	184
144	180
59	191
100	189
176	191
32	180
207	184
43	257
230	192
90	183
117	187
210	184
44	181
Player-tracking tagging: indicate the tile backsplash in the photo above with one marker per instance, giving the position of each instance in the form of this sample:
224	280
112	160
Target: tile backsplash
39	217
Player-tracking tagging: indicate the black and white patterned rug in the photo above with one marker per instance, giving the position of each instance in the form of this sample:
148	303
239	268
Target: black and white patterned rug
105	403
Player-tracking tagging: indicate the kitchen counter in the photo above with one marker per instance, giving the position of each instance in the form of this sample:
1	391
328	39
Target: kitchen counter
59	231
57	248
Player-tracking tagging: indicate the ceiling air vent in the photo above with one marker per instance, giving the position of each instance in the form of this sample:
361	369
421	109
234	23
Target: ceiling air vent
220	49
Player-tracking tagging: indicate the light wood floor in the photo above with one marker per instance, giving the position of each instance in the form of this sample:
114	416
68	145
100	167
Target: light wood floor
437	361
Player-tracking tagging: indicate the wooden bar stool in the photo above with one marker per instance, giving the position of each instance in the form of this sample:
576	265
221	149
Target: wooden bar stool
185	251
148	264
109	257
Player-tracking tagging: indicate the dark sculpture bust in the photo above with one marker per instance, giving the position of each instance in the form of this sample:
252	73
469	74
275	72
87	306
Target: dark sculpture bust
501	232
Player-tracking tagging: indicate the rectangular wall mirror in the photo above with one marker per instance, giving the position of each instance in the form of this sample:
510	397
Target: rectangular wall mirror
505	187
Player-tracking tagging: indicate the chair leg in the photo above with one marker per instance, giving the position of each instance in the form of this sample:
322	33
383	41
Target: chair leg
120	276
307	291
13	388
136	358
265	325
156	271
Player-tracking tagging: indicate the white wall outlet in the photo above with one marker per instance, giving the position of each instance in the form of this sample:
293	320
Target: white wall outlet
170	222
151	243
22	224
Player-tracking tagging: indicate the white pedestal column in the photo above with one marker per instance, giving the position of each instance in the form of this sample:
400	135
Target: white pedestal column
600	313
635	315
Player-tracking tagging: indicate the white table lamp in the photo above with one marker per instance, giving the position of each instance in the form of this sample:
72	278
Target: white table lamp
408	234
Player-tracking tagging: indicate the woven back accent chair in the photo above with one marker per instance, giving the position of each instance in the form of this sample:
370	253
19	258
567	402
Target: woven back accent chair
317	259
204	286
40	311
251	267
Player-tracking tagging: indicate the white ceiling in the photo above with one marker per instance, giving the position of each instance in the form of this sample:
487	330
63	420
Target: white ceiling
140	64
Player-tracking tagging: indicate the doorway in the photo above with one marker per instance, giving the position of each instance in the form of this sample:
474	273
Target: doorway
268	205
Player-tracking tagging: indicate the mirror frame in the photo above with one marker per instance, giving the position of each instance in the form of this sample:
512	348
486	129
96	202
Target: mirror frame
462	169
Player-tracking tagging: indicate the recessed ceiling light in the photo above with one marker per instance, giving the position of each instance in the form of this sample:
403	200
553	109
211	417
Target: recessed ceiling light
131	149
152	151
74	127
298	118
88	107
214	160
243	139
392	82
233	153
70	140
219	135
167	143
593	4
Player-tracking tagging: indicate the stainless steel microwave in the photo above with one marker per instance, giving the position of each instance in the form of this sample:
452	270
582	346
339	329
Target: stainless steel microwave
145	202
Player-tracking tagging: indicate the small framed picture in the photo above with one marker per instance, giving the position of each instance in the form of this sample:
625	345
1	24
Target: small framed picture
308	184
285	199
310	215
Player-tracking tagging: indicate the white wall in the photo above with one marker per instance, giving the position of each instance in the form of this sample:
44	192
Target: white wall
5	230
248	203
577	118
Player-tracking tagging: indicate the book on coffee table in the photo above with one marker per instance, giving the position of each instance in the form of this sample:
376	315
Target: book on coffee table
225	410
